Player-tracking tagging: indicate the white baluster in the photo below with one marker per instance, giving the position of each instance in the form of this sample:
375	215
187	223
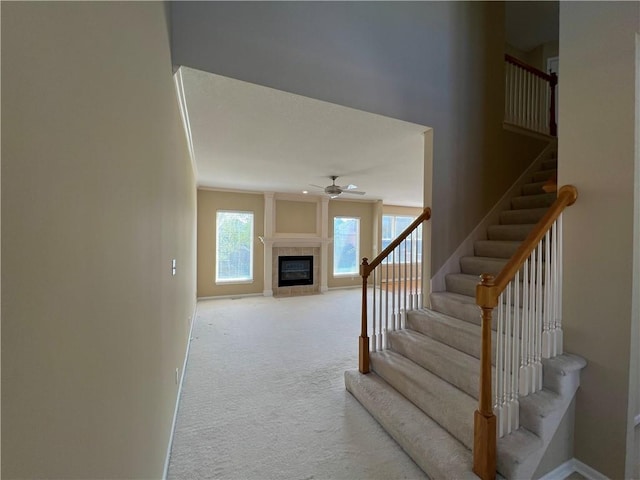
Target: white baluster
508	354
539	327
532	323
386	301
515	358
547	340
529	101
374	337
500	369
559	339
524	354
406	307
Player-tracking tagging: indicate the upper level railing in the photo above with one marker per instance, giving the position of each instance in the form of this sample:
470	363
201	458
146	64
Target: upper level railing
530	97
528	296
397	288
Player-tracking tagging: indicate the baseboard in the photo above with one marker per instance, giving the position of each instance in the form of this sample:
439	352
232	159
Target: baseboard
561	472
175	411
571	466
223	297
587	471
452	265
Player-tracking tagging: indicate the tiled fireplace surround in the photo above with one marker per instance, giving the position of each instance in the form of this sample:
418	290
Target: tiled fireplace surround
296	289
286	244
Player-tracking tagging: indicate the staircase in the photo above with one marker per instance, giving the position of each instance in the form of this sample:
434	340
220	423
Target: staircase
424	387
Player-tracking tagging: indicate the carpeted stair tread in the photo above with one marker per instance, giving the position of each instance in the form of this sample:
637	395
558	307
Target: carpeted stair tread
543	175
541	200
513	450
456	333
564	364
462	283
460	306
435	451
522	216
440	400
509	232
451	365
549	164
533	188
496	248
536	407
478	265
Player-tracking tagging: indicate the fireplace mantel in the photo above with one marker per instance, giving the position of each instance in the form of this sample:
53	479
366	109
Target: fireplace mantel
274	240
295	241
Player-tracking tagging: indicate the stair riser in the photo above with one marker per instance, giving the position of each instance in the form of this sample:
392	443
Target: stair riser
459	370
534	188
544	200
435	451
509	232
461	339
495	249
431	398
464	311
522	217
479	265
550	164
543	175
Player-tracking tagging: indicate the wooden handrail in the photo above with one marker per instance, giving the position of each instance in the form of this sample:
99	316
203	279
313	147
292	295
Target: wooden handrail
367	268
487	293
529	68
567	196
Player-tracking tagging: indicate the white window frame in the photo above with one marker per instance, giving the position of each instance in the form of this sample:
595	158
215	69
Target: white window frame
240	280
395	235
335	263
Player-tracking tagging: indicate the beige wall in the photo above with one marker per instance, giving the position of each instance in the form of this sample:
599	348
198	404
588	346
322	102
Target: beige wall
365	212
98	196
436	63
597	136
209	201
296	217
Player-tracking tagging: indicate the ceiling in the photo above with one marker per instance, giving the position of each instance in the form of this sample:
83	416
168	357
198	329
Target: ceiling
253	138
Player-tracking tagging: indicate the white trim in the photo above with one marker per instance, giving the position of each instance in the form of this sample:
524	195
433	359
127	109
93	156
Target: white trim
184	112
165	471
586	471
574	465
346	287
223	297
561	472
452	265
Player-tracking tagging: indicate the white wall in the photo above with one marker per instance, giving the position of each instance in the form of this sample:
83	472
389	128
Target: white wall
98	196
597	137
432	63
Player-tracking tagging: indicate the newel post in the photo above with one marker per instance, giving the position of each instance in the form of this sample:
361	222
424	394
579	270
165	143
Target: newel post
484	421
363	351
553	127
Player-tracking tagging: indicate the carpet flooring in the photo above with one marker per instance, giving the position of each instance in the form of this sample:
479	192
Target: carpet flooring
264	397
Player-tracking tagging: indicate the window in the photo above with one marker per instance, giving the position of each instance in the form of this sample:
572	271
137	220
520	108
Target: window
394	225
234	247
346	246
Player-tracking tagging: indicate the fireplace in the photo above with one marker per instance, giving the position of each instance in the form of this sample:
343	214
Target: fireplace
295	270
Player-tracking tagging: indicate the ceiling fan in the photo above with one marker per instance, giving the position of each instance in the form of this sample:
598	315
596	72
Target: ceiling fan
334	190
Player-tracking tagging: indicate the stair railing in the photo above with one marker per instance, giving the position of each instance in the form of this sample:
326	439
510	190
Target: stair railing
528	296
397	289
530	97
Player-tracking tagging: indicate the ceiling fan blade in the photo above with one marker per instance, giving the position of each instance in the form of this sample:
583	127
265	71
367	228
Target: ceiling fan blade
317	186
351	186
354	192
335	195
